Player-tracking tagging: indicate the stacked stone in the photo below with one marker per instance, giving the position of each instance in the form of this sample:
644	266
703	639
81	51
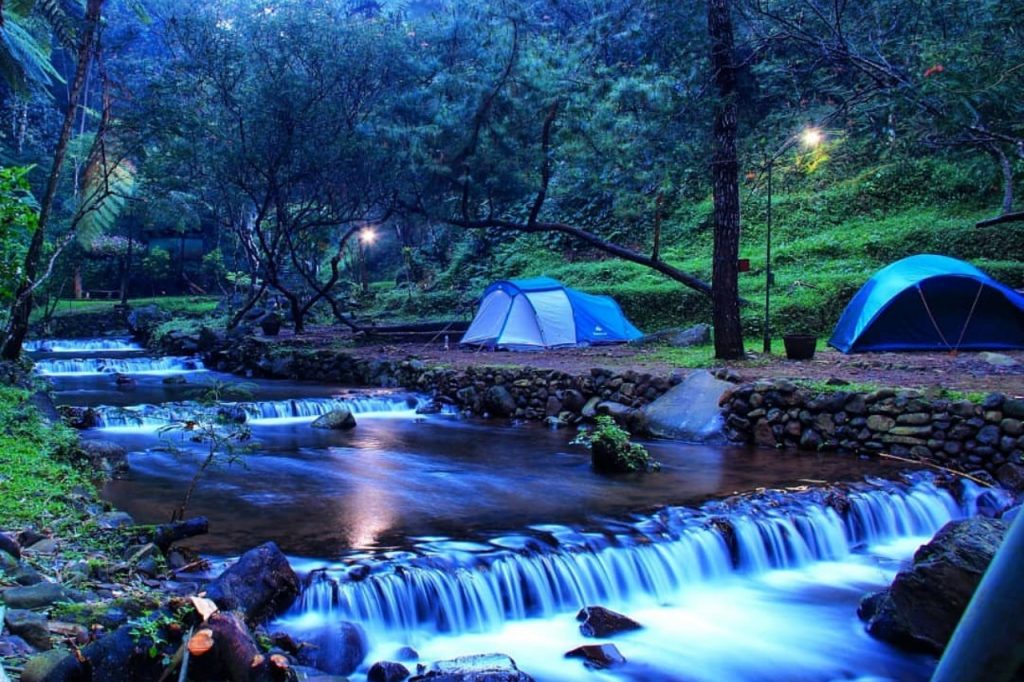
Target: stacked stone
517	392
962	434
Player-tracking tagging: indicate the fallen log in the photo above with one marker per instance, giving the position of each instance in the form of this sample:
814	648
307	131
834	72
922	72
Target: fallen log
167	534
226	651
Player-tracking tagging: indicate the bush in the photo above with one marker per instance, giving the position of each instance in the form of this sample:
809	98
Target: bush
37	482
611	451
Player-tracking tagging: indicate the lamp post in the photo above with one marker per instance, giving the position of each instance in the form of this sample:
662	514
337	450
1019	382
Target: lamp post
810	138
367	236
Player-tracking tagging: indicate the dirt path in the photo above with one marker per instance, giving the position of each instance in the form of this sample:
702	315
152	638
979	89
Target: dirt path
981	372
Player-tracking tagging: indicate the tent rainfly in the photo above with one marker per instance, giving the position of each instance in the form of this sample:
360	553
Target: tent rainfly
532	314
928	302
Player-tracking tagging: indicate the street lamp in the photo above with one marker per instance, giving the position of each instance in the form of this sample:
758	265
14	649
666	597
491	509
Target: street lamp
367	236
809	138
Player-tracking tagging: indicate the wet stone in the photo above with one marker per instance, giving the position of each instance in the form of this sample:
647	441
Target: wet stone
387	671
37	596
30	626
597	621
117	519
598	656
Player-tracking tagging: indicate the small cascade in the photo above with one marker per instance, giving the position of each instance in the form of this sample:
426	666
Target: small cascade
262	412
311	408
651	560
122	345
86	366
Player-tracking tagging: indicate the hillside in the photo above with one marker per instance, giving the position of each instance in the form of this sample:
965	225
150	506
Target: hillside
829	235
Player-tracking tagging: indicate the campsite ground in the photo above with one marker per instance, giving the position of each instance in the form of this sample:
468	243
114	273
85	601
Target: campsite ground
966	372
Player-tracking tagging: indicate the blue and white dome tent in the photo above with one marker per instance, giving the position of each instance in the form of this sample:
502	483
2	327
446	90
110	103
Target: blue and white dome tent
533	314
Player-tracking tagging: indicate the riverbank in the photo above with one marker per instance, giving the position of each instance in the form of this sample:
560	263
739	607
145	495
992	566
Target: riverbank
731	548
976	432
962	372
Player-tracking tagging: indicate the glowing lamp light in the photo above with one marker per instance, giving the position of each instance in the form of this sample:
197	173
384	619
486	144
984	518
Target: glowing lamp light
812	137
367	235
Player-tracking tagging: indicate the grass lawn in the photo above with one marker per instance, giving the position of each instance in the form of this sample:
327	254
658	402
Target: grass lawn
192	305
699	357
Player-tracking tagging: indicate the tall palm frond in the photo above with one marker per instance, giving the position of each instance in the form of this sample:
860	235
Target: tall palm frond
106	187
62	16
24	60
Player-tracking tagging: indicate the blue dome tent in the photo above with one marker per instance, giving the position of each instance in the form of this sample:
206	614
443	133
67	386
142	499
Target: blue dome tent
933	303
531	314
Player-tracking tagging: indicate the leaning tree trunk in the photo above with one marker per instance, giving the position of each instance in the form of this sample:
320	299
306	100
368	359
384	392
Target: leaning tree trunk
725	170
21	309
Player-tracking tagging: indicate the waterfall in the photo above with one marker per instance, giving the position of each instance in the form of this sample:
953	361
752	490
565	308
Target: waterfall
310	408
651	559
261	412
86	366
122	345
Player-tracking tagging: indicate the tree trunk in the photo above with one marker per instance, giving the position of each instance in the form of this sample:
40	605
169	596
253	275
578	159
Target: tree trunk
127	274
21	308
298	314
1007	169
725	179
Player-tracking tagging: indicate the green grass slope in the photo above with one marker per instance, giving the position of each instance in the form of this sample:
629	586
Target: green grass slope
829	236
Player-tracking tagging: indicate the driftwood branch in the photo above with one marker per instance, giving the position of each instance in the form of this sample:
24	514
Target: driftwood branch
166	535
1017	217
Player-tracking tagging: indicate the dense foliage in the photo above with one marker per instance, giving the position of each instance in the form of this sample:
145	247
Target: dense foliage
350	159
37	481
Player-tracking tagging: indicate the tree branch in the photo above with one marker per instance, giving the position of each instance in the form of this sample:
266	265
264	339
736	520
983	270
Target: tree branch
592	239
1017	217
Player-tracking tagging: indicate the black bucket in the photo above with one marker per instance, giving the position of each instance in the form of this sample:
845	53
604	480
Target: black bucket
800	346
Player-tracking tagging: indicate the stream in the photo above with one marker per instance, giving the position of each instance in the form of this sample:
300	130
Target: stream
459	536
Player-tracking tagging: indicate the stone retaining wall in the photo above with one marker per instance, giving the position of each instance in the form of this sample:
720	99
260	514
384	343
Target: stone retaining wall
986	439
959	434
80	325
517	392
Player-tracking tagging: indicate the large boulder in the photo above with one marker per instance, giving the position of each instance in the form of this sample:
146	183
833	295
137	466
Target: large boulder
387	671
923	605
116	657
261	584
688	411
479	668
143	320
499	401
78	417
104	456
697	335
340	419
337	649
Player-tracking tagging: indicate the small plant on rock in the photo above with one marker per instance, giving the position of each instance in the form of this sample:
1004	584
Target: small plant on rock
611	450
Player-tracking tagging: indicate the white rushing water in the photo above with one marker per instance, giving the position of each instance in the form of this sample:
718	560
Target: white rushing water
87	366
765	590
263	413
118	345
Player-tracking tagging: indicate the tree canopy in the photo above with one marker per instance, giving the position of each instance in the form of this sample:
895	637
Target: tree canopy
275	134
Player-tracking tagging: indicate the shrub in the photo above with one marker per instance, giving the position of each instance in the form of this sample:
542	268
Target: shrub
611	450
